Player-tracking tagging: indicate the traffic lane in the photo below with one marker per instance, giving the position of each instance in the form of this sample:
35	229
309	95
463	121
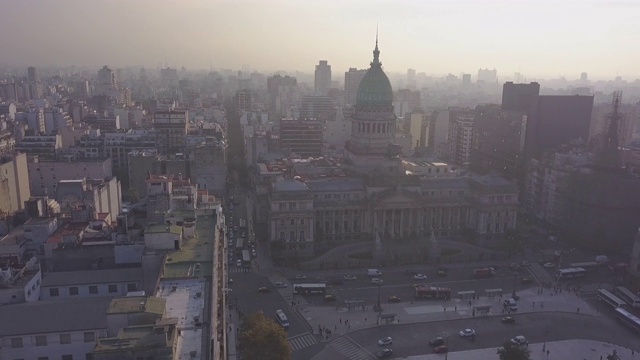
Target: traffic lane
365	291
249	300
412	339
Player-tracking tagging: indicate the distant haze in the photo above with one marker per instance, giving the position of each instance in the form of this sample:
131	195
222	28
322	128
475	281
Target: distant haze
537	38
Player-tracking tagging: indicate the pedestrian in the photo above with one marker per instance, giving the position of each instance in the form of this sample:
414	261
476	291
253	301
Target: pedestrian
340	320
455	308
335	327
578	311
349	326
365	319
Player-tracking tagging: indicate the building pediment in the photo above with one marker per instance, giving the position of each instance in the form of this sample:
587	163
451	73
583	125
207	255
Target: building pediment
397	199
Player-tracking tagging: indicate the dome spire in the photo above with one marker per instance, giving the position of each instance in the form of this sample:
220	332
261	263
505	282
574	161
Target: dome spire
376	52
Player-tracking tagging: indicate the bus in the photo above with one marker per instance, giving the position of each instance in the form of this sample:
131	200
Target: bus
610	299
239	246
246	258
628	296
628	319
306	289
590	265
431	292
282	319
570	273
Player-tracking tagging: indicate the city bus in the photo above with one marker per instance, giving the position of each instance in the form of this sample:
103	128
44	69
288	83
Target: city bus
628	319
246	258
570	273
590	265
282	319
306	289
239	246
628	296
431	292
610	299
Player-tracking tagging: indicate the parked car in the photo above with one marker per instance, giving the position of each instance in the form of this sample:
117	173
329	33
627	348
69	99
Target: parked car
394	299
264	290
300	277
239	263
440	349
549	265
330	298
420	277
385	341
350	277
384	353
520	340
508	320
376	281
280	284
442	271
437	341
467	333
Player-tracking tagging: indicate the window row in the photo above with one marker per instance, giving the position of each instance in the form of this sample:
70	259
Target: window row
292	222
93	289
292	236
42	340
374	128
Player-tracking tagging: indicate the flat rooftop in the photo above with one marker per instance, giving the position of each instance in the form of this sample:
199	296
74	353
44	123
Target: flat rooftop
198	250
67	278
137	304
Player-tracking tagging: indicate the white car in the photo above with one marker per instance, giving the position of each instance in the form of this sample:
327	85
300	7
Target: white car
301	277
239	263
280	284
549	265
467	332
385	341
420	277
350	277
520	340
376	281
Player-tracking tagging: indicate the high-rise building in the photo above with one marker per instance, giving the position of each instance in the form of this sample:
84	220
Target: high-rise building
171	130
411	79
14	183
301	137
488	76
318	107
517	97
583	77
169	77
352	80
32	74
498	141
106	79
283	94
243	100
322	78
460	135
466	79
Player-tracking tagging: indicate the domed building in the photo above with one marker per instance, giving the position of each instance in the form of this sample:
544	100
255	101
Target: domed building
373	123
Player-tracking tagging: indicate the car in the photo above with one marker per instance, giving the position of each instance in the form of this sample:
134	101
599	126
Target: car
441	271
385	341
520	340
525	264
515	266
376	281
230	281
420	277
549	265
264	290
507	320
527	280
239	263
384	353
437	341
467	333
349	277
300	277
440	349
280	284
329	298
394	299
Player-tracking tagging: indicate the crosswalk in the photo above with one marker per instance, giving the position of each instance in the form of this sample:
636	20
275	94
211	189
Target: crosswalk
348	348
302	341
238	270
593	288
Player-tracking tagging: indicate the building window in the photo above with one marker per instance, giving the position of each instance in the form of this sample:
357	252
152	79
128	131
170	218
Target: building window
73	290
43	358
281	235
113	288
16	342
132	287
293	221
302	235
292	236
65	338
53	292
93	289
41	340
67	357
301	221
282	222
89	336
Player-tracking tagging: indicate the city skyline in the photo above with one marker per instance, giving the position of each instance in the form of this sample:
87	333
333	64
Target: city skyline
434	37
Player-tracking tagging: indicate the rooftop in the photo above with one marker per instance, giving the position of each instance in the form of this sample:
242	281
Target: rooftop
66	278
137	304
181	263
340	184
62	316
157	229
290	185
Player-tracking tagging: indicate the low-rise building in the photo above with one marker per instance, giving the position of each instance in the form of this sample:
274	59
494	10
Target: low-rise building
91	283
163	237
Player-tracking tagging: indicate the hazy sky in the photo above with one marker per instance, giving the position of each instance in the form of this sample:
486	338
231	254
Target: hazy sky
535	37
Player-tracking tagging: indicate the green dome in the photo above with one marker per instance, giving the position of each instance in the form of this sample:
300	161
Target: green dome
375	88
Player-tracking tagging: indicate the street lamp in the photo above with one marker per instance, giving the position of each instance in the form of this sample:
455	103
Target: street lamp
378	307
515	277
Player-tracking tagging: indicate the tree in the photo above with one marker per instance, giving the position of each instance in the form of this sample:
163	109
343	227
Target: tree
511	351
262	339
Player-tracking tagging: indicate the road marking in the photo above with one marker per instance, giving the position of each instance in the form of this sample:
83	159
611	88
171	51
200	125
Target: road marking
302	341
434	284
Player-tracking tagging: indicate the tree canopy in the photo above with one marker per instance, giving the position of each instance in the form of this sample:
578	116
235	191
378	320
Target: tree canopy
511	351
262	338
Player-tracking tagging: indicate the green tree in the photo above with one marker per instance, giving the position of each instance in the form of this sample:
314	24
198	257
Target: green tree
262	339
511	351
